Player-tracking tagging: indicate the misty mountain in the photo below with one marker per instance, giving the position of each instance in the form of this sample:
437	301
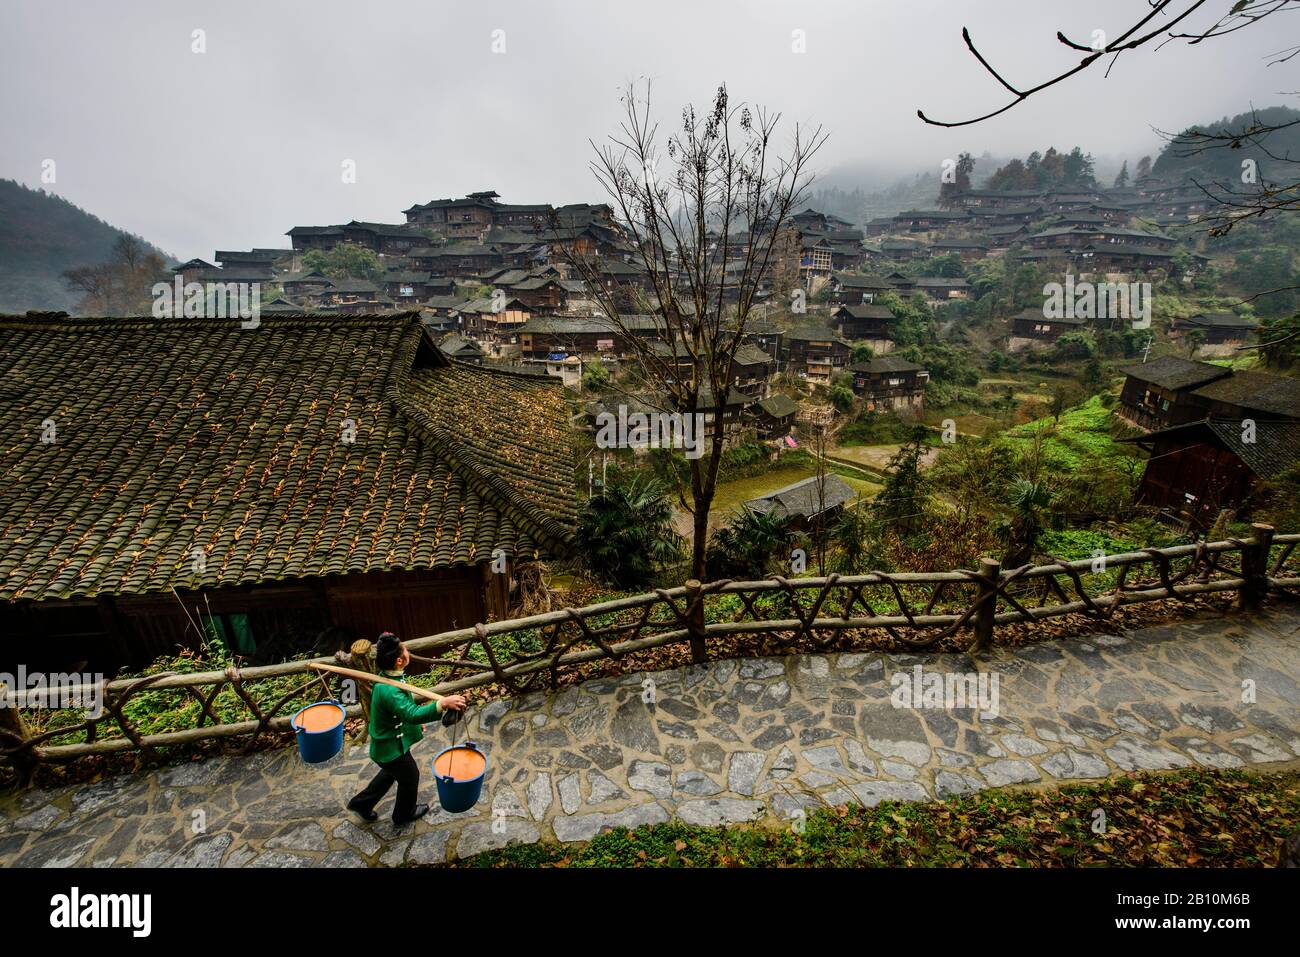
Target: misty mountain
41	235
1184	156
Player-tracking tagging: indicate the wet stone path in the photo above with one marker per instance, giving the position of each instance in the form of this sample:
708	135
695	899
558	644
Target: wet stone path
730	741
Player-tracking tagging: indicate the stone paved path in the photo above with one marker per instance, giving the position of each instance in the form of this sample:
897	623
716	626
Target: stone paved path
724	742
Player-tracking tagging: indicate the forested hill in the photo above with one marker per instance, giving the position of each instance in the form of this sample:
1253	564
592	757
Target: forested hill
1223	164
41	235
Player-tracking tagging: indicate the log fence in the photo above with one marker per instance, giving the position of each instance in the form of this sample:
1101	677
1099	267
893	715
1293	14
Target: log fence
916	609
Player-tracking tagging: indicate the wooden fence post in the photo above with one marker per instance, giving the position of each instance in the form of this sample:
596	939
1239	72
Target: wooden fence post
990	568
11	720
1254	567
695	621
362	656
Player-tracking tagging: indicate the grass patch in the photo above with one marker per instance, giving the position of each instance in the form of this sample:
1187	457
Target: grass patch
1194	818
1081	435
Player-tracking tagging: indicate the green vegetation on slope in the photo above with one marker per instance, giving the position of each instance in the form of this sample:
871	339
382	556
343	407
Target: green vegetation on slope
1178	819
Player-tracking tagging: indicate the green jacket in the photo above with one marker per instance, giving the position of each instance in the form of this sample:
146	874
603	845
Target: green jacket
395	721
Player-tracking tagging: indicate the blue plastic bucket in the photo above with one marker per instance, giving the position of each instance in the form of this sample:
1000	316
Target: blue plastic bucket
460	791
320	735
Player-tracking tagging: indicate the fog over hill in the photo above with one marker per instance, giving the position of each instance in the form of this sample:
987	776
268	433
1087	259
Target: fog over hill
41	235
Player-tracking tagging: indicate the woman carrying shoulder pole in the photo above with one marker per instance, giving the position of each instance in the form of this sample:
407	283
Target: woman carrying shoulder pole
395	721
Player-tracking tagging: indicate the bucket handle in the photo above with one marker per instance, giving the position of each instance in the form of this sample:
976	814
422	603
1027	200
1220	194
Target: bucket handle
447	778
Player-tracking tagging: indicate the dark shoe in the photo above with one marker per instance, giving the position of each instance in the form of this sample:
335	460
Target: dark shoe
368	815
420	811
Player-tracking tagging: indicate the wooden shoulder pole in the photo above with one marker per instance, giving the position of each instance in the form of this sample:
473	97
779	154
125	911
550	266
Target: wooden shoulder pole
377	679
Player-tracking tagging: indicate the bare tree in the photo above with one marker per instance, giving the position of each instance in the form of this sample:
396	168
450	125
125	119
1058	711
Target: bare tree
1165	21
705	210
120	286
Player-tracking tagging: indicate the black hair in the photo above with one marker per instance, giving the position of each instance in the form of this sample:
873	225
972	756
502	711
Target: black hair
387	650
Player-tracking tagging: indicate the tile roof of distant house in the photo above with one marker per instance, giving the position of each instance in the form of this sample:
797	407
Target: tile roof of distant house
1035	314
305	275
1172	372
224	256
241	273
1273	394
446	302
282	306
1276	447
1116	249
488	304
384	229
1009	211
1219	320
851	281
353	286
453	251
315	231
574	325
816	333
748	354
778	405
941	282
866	310
201	434
805	499
459	347
998	193
932	214
880	365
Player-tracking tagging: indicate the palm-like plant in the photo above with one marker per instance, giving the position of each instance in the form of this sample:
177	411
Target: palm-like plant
748	546
853	541
626	532
1028	500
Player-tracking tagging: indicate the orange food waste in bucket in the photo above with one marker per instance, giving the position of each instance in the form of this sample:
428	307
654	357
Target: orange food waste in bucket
460	764
319	717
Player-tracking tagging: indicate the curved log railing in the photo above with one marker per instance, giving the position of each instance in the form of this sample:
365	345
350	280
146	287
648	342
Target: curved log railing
917	609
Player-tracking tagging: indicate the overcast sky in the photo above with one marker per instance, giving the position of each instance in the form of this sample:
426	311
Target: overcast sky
232	147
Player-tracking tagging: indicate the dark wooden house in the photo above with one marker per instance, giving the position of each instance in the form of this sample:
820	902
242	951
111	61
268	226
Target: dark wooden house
1161	393
847	289
1198	469
774	416
888	382
295	485
869	323
816	354
751	370
457	259
1030	329
805	504
1215	329
542	337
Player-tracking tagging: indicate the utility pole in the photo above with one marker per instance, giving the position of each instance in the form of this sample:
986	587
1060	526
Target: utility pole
1146	351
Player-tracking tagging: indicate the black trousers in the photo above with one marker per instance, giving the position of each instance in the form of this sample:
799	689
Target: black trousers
406	773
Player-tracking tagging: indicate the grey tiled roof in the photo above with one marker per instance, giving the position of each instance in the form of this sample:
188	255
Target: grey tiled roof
804	499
